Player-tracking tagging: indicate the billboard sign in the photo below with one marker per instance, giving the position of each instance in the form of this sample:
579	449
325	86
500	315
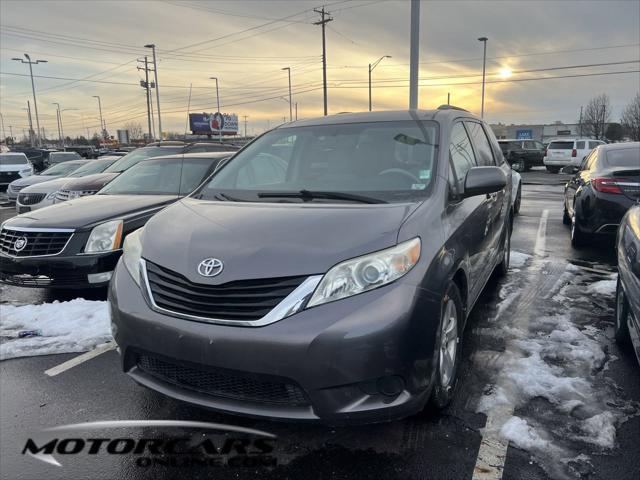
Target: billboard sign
524	134
212	123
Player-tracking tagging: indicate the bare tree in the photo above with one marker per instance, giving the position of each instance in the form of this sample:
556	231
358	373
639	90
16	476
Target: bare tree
631	118
596	115
135	130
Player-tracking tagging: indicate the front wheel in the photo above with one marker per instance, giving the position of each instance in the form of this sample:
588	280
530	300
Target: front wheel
578	238
518	165
503	266
448	351
566	219
553	169
518	201
622	316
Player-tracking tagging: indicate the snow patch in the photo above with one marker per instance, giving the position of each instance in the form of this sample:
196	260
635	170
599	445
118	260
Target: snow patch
518	259
521	434
603	287
75	326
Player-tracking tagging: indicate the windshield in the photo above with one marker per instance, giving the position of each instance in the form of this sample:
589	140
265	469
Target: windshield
385	161
13	159
94	166
62	169
130	159
624	157
55	157
162	177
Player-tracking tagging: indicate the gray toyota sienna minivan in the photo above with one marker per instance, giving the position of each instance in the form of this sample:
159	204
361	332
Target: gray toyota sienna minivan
325	273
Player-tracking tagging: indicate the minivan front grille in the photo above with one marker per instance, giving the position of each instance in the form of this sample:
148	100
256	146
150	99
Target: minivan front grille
224	383
242	300
32	243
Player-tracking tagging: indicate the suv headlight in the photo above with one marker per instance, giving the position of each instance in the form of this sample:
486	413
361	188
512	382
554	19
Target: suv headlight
105	237
132	253
364	273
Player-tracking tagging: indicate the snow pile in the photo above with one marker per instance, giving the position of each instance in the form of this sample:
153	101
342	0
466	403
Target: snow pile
518	259
74	326
518	431
604	287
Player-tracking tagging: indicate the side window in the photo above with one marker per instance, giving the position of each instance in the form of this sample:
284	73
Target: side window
539	146
580	145
529	145
593	145
461	157
589	161
481	144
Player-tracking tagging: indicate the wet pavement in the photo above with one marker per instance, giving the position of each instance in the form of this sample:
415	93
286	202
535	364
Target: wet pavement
546	299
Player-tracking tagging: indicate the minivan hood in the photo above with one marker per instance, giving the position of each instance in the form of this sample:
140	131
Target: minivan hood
266	240
89	182
88	211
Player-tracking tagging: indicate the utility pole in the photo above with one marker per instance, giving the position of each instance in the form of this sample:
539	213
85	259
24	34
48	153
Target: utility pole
102	125
11	134
296	110
288	69
448	98
414	54
484	70
325	18
219	112
580	121
31	133
245	126
145	85
371	67
4	135
33	89
155	73
59	122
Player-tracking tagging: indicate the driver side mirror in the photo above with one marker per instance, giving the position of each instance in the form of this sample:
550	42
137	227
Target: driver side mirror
570	169
484	180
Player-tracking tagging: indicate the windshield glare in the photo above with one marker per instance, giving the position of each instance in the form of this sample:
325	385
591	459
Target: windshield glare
624	157
130	159
62	168
389	161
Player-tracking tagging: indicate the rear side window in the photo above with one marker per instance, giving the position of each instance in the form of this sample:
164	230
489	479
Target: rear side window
594	144
461	157
561	146
483	148
580	145
624	157
529	145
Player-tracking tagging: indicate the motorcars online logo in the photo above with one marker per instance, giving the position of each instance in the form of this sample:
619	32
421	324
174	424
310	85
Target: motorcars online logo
214	444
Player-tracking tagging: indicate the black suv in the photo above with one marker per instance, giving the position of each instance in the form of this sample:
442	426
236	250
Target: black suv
522	154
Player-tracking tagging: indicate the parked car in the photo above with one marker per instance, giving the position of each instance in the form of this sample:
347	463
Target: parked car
59	157
37	156
13	166
522	154
627	329
57	171
85	151
43	194
325	273
602	190
77	244
568	151
90	184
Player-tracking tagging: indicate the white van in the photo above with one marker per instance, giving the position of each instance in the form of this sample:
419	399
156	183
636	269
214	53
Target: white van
568	151
14	165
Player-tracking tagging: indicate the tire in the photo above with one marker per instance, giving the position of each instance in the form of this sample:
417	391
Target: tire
578	238
503	267
518	164
448	350
518	201
622	315
566	219
553	169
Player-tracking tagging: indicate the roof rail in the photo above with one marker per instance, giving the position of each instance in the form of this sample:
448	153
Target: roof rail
451	107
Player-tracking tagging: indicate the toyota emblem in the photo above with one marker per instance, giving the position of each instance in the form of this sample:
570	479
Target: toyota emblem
210	267
19	244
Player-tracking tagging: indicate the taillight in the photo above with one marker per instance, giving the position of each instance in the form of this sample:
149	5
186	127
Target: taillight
607	185
574	153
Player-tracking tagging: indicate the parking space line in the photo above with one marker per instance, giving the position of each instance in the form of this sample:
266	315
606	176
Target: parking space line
492	453
63	367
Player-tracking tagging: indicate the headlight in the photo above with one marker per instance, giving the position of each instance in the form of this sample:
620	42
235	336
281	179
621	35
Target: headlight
367	272
52	195
131	254
74	194
105	237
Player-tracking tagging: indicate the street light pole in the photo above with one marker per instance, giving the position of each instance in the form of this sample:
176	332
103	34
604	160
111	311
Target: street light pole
58	118
218	103
414	54
102	125
484	69
371	67
155	72
33	88
288	69
4	136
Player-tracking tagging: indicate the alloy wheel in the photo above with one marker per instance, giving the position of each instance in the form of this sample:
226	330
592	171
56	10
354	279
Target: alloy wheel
448	343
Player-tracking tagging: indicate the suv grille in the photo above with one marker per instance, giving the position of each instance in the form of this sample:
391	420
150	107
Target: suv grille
7	177
225	383
239	300
30	198
37	243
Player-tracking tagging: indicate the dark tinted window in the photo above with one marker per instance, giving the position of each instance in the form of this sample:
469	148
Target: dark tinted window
594	144
130	159
529	145
57	157
580	145
561	145
484	154
505	146
461	156
624	157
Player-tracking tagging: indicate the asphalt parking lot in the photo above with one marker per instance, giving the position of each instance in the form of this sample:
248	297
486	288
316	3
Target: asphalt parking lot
539	356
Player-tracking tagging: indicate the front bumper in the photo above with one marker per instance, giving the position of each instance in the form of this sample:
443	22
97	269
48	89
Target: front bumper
57	271
601	214
361	359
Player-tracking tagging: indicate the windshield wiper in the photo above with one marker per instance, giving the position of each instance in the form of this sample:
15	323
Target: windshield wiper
307	195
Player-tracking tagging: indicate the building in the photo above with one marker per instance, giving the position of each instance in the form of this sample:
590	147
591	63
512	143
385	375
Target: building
542	133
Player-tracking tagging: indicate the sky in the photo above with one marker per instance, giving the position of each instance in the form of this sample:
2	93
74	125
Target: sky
245	44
